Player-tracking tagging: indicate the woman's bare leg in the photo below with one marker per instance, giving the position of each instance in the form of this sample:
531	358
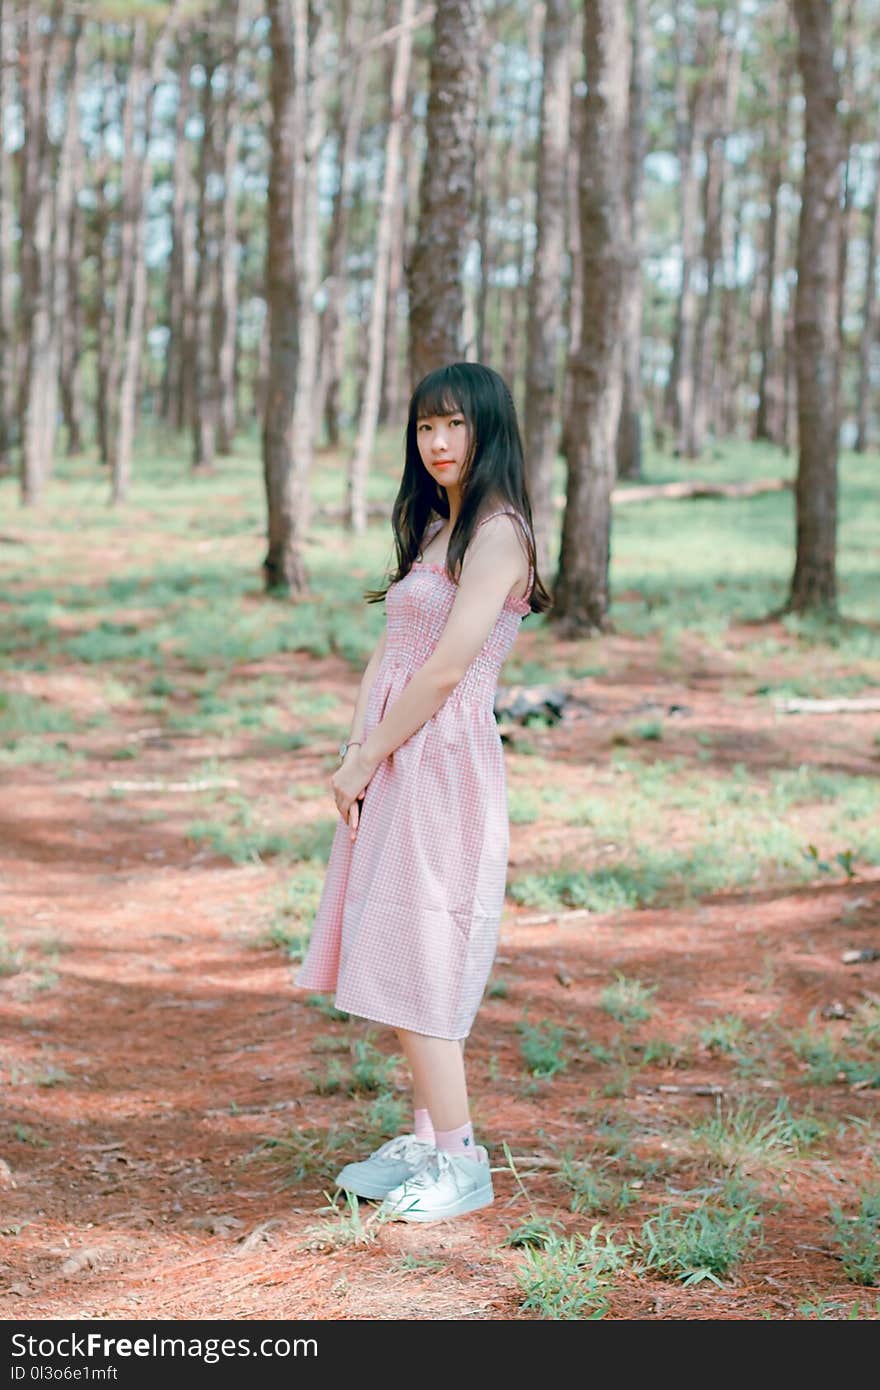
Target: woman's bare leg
439	1085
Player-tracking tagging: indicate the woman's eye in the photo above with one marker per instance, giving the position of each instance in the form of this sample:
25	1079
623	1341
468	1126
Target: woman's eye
456	422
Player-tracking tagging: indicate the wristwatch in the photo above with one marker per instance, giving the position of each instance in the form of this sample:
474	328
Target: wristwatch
344	747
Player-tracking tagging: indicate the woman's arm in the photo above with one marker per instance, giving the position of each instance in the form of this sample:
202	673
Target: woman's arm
359	716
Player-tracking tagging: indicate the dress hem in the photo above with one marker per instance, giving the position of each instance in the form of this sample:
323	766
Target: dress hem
406	1025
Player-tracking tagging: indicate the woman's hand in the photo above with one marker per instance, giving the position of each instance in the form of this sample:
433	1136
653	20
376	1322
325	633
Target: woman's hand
349	782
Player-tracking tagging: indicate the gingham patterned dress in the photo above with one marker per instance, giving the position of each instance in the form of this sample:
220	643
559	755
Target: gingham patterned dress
407	926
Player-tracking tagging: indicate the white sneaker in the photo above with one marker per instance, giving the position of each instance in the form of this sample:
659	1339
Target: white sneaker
445	1185
387	1168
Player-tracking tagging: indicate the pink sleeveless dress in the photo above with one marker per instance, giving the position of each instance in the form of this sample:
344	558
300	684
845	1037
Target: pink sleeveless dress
407	926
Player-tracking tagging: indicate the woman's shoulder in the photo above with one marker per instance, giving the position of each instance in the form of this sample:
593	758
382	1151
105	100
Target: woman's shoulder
505	534
503	519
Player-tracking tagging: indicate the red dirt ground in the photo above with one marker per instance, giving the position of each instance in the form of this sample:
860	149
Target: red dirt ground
152	1048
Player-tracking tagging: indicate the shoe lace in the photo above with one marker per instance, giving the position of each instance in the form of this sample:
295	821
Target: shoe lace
436	1164
406	1147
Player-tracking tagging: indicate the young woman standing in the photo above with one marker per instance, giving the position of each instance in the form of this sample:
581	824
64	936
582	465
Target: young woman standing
407	927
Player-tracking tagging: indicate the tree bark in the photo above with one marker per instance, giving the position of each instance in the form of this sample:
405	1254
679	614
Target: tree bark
38	57
65	270
206	402
724	86
178	382
483	176
369	415
7	263
581	591
769	417
134	294
849	133
349	120
691	94
446	197
629	436
545	324
103	313
814	583
72	324
868	334
227	298
311	31
283	566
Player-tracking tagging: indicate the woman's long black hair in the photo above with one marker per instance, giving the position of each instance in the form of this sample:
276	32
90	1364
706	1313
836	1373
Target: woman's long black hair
494	471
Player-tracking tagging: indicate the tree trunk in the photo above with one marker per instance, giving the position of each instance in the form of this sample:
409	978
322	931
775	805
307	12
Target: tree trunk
814	584
545	325
71	327
206	395
283	565
729	368
769	418
311	32
135	295
39	66
523	114
690	127
849	133
178	381
65	270
393	394
7	302
725	87
104	313
352	90
369	415
869	316
446	197
575	287
629	437
7	264
581	590
227	301
483	172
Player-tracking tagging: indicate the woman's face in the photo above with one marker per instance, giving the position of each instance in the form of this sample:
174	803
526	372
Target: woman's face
444	445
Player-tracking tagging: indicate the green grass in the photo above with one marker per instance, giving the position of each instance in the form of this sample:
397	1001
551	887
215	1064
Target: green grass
858	1239
568	1277
543	1047
694	1246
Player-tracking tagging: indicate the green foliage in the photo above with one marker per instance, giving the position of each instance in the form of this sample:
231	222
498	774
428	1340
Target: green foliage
748	1134
829	1063
858	1239
543	1047
250	845
29	714
725	1034
366	1070
568	1277
12	960
627	1001
589	1190
536	1231
697	1245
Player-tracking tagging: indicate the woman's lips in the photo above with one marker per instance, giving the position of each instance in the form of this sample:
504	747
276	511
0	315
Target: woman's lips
443	463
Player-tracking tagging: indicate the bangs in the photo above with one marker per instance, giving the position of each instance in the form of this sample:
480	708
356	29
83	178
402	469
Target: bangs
440	402
438	394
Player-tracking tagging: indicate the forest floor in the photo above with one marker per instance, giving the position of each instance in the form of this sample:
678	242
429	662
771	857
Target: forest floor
676	1066
169	1152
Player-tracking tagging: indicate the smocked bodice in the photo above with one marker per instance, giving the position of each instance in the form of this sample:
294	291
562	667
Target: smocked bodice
417	609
